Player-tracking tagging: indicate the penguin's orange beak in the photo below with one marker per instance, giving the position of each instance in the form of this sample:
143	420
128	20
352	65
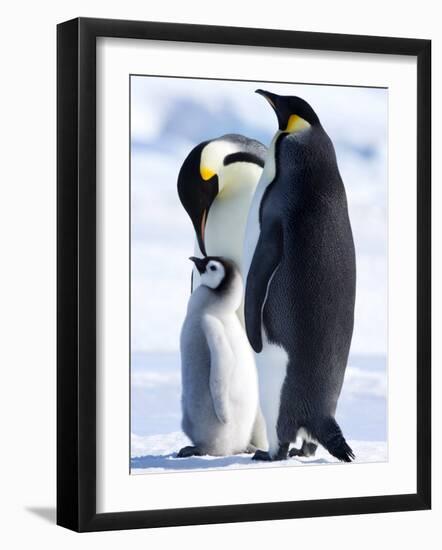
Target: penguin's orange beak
197	190
203	224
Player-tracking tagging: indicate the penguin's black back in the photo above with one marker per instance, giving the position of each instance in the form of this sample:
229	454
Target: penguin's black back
309	307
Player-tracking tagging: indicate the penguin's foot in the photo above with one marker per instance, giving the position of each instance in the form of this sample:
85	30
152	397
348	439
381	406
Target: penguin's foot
265	456
185	452
251	449
307	449
262	455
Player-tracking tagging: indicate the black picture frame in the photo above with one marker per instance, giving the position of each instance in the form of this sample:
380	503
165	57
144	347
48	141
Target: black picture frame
76	273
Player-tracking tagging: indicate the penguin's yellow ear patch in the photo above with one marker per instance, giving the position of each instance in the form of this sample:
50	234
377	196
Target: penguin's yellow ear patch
206	173
296	123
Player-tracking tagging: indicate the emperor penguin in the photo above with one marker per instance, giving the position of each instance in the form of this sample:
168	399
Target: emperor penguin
300	275
216	184
219	380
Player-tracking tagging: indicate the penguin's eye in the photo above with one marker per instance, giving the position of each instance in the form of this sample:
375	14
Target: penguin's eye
213	268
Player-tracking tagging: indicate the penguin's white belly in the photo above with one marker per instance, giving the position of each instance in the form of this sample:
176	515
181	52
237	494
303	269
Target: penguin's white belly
203	427
226	223
271	364
224	234
243	391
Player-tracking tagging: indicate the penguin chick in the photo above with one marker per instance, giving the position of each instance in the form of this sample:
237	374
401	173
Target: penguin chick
219	380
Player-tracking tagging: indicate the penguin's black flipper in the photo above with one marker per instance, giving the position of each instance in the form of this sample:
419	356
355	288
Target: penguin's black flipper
265	261
330	436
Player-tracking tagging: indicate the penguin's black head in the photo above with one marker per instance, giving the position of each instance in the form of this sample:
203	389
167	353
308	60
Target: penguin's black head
208	168
294	114
197	189
215	272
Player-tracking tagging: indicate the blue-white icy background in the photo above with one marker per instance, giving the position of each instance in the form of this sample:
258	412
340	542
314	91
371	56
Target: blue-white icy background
170	116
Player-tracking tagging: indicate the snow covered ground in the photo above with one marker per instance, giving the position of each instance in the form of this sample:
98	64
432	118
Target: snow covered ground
157	453
156	417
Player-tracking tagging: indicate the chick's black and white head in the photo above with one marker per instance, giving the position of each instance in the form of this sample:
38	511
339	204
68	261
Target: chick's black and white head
215	272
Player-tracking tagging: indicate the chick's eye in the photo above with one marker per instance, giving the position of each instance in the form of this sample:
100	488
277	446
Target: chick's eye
212	268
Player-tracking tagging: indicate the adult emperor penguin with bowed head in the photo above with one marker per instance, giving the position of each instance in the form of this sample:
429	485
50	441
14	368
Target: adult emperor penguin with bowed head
216	184
219	380
300	289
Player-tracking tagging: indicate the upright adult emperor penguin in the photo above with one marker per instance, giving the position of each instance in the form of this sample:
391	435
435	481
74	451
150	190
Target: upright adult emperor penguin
219	380
300	289
216	184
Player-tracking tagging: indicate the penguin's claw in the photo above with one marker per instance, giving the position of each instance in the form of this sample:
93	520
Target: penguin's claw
307	450
295	452
188	451
262	455
266	457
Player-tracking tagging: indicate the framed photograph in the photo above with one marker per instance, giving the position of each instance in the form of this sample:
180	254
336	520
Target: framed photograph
243	274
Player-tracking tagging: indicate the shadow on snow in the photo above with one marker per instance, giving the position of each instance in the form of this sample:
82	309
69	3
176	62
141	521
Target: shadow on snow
171	462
